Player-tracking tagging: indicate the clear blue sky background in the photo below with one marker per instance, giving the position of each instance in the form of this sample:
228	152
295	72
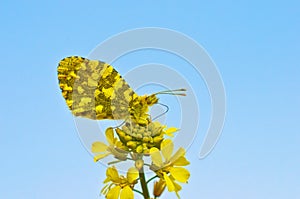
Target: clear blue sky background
255	44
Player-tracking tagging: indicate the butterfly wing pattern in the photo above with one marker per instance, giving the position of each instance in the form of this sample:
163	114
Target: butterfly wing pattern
95	90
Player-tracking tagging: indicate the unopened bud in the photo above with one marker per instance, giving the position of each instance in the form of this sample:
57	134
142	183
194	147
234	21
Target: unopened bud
146	139
146	151
159	187
140	149
120	133
128	138
139	164
139	136
157	139
131	144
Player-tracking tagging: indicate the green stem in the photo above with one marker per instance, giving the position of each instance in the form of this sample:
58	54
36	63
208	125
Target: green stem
149	165
114	162
144	183
151	179
138	192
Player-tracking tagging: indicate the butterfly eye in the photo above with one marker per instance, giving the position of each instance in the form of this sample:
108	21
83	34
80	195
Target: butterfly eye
152	99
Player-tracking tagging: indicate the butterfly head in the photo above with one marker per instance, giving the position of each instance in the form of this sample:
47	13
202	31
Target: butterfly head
151	99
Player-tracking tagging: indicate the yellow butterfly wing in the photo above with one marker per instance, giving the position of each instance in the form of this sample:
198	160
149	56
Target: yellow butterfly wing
94	89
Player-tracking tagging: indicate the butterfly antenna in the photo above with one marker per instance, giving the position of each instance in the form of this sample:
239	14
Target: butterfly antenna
180	92
167	109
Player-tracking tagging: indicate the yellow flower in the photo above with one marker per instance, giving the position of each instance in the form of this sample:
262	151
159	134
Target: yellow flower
170	169
114	147
120	186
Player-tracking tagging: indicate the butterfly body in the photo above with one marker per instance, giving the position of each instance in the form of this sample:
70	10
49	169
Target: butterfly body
95	90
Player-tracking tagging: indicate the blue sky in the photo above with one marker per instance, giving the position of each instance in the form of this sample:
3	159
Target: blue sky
255	45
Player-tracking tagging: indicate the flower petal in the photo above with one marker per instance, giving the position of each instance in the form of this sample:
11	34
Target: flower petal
179	153
169	183
166	148
170	131
110	136
100	156
127	193
156	157
132	174
180	174
112	174
176	185
117	154
181	161
177	189
98	147
114	193
106	180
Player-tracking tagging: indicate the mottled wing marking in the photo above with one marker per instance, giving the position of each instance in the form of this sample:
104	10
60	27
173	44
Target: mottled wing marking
94	89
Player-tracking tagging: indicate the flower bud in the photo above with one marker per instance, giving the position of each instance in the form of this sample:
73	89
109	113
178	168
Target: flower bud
157	139
132	144
125	128
151	140
140	149
146	151
159	187
139	164
146	139
120	132
140	131
139	136
128	138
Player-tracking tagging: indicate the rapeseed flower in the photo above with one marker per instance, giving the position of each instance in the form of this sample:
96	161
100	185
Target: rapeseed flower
169	167
119	186
114	147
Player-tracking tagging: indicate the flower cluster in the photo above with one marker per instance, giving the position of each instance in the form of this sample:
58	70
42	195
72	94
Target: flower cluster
133	142
141	139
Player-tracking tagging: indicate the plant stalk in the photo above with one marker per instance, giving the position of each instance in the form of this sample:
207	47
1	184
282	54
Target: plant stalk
144	184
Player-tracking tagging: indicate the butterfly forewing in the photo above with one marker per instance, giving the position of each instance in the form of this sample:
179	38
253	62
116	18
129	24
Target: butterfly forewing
94	89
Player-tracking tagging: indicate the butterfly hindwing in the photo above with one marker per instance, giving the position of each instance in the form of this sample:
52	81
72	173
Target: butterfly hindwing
94	89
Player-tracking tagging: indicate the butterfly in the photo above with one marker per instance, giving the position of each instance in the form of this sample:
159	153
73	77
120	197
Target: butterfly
95	90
